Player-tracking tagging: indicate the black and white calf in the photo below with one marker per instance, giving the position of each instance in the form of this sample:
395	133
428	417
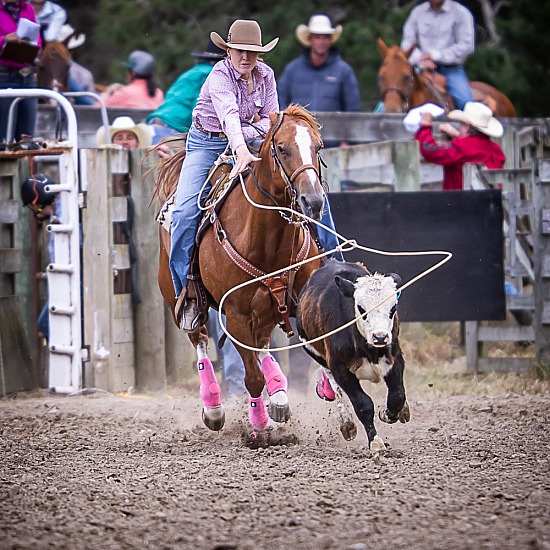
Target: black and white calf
368	349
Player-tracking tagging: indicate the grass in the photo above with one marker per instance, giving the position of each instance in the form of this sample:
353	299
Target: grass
436	365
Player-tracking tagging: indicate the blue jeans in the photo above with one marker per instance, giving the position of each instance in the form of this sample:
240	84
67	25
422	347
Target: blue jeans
74	86
25	118
43	323
457	84
328	240
232	363
202	150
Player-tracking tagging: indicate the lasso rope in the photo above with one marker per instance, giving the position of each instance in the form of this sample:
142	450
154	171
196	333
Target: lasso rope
346	246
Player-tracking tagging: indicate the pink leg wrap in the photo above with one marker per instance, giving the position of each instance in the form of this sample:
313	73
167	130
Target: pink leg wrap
324	389
210	391
257	413
275	380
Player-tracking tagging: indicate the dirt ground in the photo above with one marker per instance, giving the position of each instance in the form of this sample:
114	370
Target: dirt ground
470	471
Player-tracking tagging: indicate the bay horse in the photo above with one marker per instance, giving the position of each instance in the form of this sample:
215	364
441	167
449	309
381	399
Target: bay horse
248	241
53	68
402	89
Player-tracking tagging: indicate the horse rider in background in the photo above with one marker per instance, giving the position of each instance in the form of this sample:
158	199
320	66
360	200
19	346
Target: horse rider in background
443	31
140	92
51	17
80	78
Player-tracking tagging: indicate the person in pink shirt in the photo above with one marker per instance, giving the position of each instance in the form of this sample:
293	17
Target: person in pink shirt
141	91
14	74
232	109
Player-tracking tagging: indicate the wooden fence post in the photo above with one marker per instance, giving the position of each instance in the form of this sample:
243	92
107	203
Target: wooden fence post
541	200
149	313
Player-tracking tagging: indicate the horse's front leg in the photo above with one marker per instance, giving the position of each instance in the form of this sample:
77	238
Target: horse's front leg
276	383
254	382
213	413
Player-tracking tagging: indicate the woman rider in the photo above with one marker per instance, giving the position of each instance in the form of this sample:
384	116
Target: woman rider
240	90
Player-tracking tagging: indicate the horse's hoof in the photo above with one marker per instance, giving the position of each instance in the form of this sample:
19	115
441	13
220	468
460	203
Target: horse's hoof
258	438
377	445
405	413
214	419
349	430
278	408
279	413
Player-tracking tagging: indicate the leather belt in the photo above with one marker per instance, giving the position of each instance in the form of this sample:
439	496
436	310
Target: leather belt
199	127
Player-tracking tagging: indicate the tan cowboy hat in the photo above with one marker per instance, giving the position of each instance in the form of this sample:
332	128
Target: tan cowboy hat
480	117
244	35
125	123
67	32
318	24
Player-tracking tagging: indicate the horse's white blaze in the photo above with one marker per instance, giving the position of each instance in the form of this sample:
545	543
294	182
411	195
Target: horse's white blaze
303	140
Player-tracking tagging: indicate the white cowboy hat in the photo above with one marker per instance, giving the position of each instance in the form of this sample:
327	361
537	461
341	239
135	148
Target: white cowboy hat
480	117
125	123
318	24
244	35
67	32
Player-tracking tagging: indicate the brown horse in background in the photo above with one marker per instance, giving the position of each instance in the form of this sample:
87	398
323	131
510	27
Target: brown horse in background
401	88
53	69
288	175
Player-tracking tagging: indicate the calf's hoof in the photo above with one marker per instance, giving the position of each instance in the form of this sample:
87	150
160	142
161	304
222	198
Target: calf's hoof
403	416
349	430
377	445
384	416
405	413
213	418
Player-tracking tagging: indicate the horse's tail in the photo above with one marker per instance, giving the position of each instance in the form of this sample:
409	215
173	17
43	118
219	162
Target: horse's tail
168	172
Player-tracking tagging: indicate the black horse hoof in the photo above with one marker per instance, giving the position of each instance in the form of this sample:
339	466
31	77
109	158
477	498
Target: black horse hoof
214	419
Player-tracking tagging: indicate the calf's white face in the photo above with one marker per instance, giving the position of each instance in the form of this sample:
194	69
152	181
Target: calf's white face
368	291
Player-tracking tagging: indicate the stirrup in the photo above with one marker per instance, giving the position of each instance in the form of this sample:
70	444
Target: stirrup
190	319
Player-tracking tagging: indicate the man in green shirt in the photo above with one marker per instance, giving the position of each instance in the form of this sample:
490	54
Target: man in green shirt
174	116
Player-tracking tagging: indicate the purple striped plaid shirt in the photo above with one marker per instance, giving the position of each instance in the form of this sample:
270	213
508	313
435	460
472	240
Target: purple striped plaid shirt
224	104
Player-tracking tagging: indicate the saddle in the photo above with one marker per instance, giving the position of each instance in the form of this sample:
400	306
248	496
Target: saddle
438	84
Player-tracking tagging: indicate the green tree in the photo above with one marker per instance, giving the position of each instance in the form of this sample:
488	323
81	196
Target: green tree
518	65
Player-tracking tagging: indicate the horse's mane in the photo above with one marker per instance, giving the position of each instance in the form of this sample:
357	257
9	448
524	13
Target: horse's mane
56	49
395	53
301	112
169	169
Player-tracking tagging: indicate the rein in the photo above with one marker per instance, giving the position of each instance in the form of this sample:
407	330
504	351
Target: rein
401	93
280	285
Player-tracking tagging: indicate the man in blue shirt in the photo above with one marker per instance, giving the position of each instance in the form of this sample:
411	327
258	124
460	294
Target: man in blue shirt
319	79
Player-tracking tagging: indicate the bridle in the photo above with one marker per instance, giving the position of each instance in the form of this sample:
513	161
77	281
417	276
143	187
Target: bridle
278	165
404	95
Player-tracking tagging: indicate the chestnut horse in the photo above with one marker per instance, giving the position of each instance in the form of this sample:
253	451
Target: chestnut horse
53	69
260	241
401	88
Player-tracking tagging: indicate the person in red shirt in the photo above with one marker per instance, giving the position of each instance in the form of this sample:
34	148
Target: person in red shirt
471	143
